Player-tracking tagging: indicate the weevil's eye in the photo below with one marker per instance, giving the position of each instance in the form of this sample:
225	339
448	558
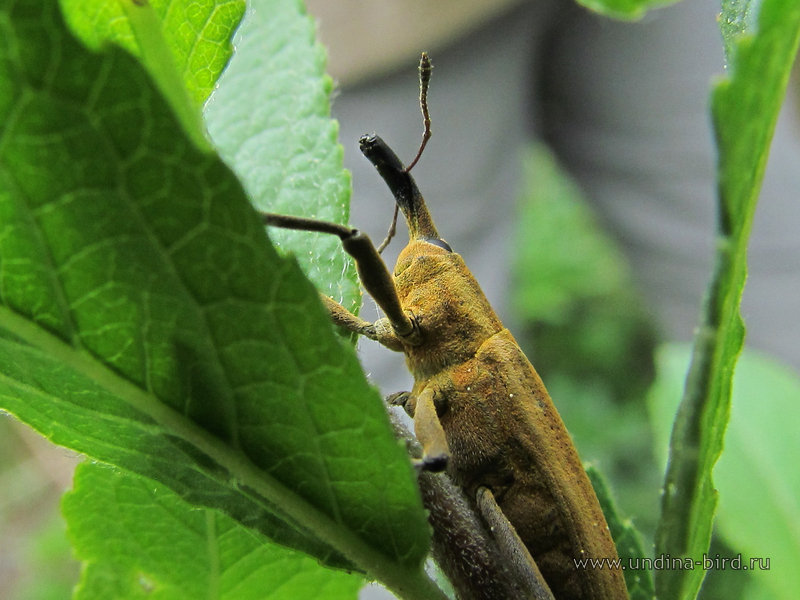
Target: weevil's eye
438	242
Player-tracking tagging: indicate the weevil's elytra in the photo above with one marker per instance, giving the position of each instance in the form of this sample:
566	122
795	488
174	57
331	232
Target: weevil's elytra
479	407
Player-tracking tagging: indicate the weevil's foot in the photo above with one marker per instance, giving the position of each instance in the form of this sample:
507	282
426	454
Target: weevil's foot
398	398
431	463
406	400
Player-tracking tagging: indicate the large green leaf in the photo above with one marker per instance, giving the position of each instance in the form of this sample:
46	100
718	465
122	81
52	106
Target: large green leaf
182	552
183	44
745	107
757	475
147	322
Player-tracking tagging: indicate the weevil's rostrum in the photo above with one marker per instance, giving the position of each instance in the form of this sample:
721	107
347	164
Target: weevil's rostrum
479	407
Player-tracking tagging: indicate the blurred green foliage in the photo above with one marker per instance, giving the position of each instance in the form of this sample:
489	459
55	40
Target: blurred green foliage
585	330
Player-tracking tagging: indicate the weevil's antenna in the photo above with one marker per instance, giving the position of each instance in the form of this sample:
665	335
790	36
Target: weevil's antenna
391	232
425	71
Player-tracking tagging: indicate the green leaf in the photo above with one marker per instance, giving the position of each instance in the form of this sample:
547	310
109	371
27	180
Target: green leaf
745	107
738	18
562	255
277	134
192	38
627	540
182	552
146	321
757	475
184	45
624	9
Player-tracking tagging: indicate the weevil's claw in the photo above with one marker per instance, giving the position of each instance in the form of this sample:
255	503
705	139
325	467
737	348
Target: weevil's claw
431	464
435	464
398	398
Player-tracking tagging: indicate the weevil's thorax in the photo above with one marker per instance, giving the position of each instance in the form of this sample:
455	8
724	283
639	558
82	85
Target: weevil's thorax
453	315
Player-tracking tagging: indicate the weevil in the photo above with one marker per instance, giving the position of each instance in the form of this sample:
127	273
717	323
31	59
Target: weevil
480	409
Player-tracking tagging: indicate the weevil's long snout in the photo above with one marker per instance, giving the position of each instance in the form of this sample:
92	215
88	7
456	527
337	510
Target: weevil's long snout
402	185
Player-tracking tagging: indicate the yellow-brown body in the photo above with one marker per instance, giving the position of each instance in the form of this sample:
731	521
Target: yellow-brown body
501	427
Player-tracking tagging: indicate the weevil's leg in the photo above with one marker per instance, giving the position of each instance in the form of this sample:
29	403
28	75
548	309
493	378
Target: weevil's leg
519	560
380	331
462	544
344	318
372	271
428	430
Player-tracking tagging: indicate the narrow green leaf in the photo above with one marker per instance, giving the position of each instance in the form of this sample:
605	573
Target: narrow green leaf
627	540
745	107
146	321
270	118
182	552
738	17
757	475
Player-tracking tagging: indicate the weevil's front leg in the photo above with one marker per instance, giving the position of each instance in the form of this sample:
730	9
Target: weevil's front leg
517	558
372	271
427	427
381	330
344	318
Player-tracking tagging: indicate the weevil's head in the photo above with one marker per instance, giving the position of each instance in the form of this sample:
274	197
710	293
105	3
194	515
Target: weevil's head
431	280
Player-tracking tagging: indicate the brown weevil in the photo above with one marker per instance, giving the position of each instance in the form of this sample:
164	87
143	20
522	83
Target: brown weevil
480	409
